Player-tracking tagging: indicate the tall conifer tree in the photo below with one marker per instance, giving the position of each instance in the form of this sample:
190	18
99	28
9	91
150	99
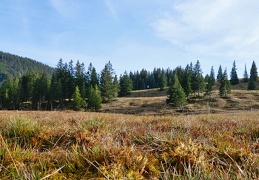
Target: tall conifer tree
253	72
233	75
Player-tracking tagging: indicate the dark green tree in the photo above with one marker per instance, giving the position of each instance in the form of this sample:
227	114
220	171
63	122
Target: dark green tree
251	84
233	75
80	78
253	72
27	81
106	83
225	85
125	85
116	86
162	81
40	91
10	91
71	79
198	80
245	78
176	94
94	78
210	81
187	78
55	90
220	74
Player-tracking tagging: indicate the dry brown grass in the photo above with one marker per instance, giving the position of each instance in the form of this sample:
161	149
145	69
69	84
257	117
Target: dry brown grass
153	102
72	145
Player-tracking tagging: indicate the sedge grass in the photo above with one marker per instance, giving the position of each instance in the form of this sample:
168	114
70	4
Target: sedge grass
77	145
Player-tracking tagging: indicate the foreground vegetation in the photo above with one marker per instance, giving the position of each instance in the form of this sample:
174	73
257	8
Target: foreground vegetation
69	145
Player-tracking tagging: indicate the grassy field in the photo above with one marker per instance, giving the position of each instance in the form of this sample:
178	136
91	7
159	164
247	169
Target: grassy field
80	145
153	102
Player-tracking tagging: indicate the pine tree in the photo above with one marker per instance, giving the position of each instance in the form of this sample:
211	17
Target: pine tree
106	83
77	100
188	87
116	86
245	79
10	91
212	76
94	99
225	85
233	75
210	81
198	80
176	94
80	78
220	74
125	85
55	90
162	81
251	84
187	77
253	72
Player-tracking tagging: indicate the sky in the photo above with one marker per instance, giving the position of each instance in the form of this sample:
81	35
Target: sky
133	34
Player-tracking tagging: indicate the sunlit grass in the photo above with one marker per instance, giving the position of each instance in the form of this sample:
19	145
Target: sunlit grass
70	145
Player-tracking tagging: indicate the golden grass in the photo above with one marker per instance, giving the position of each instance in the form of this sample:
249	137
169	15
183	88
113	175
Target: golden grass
153	102
77	145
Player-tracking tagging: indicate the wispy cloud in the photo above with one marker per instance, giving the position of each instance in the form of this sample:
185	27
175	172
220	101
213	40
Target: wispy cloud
67	8
212	27
110	6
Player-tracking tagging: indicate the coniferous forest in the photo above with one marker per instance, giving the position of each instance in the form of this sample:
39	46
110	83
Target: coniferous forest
73	86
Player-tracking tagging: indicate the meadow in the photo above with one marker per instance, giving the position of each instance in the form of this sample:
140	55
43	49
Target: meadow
84	145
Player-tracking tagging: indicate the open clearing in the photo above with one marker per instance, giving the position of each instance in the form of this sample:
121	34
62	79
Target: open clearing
153	102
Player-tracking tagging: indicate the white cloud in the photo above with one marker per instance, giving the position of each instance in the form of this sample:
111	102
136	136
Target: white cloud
221	27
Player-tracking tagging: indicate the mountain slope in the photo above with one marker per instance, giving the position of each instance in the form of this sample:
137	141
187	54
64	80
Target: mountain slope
13	65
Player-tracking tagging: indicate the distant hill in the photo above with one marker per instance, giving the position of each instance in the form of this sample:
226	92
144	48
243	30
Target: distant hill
13	65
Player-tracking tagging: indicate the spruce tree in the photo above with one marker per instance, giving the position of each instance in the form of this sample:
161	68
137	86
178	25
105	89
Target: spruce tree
253	72
106	83
188	87
162	81
77	100
212	77
176	94
225	85
80	78
233	75
125	85
187	78
251	84
210	81
116	86
220	74
94	99
55	90
245	79
198	80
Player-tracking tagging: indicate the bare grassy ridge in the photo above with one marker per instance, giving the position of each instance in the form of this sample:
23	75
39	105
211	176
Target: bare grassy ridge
70	145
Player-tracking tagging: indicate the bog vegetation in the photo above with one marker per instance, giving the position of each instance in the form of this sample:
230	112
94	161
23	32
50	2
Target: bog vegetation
70	145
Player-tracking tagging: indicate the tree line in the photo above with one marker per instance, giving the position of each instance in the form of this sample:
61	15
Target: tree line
71	86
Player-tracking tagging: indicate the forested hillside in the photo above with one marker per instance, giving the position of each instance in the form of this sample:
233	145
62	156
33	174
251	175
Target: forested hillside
13	65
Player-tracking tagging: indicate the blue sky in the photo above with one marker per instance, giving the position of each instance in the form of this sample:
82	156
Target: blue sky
133	34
